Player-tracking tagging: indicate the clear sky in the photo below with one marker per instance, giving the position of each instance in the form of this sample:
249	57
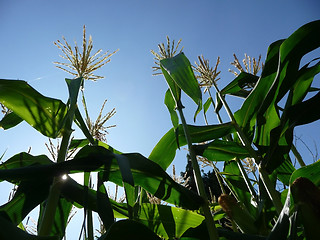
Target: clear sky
209	27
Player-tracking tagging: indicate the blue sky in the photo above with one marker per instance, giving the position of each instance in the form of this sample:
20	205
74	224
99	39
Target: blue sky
212	28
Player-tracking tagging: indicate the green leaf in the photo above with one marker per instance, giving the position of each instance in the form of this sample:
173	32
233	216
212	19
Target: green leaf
128	230
304	80
146	174
306	196
165	150
236	87
239	214
312	172
304	113
170	103
201	233
9	231
74	87
156	181
104	206
61	217
281	229
128	181
10	120
80	143
246	115
207	104
301	42
28	196
179	69
24	159
166	221
285	170
43	113
83	126
173	87
237	185
219	150
85	197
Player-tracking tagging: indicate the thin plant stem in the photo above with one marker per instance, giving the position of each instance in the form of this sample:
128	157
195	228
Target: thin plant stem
89	217
242	170
213	233
297	155
217	113
262	172
84	104
247	181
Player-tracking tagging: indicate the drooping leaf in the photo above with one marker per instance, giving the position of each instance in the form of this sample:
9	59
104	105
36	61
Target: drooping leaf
304	80
10	120
24	159
28	196
83	126
170	103
156	181
84	197
146	174
220	150
236	87
43	113
207	104
165	150
304	112
179	69
80	143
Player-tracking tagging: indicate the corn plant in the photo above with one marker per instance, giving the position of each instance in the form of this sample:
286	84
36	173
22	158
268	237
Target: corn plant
261	132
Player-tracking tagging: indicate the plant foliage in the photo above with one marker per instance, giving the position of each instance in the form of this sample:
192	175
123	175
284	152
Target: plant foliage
254	147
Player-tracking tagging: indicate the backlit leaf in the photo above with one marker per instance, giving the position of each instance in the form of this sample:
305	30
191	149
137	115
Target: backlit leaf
165	150
180	71
43	113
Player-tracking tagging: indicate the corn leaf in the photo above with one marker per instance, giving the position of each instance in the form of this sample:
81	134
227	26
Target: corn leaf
290	79
9	231
166	221
165	150
219	150
179	70
146	174
236	87
127	230
10	120
43	113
